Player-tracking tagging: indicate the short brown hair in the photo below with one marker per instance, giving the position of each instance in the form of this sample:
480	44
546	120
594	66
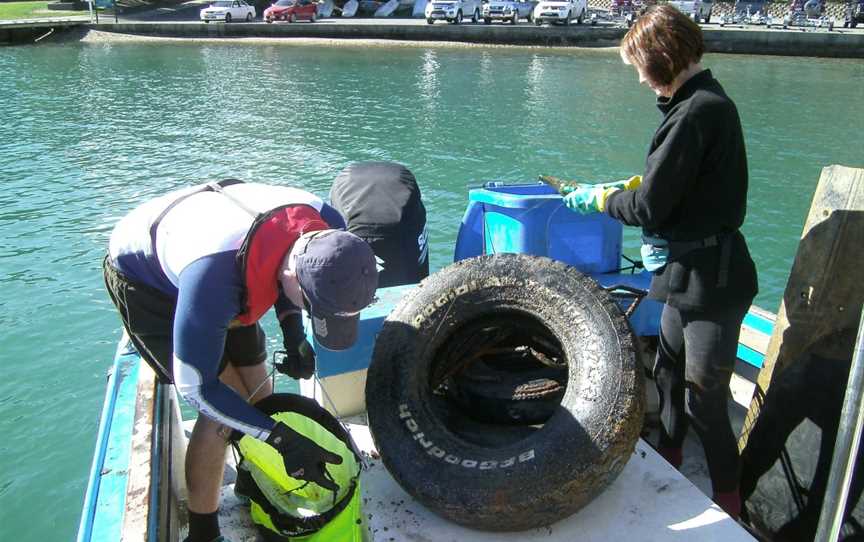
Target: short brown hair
663	42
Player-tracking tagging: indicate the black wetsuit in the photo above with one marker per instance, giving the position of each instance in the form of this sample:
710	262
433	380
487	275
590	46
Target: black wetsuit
694	195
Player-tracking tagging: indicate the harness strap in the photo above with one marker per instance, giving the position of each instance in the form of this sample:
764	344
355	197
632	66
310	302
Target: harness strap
209	187
217	187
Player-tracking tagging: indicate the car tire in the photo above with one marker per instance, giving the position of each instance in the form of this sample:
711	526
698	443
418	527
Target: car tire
493	476
206	21
227	18
430	21
292	18
537	22
487	20
248	17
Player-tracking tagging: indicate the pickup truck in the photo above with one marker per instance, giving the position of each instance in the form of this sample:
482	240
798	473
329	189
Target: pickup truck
560	11
452	11
507	10
698	10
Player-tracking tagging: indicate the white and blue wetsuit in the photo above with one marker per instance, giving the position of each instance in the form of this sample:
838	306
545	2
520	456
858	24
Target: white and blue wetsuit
195	260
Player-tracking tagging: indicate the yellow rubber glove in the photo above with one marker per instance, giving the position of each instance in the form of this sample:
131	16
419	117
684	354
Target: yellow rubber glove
588	199
626	184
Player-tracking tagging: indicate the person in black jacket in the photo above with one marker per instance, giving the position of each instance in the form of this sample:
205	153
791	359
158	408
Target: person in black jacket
690	202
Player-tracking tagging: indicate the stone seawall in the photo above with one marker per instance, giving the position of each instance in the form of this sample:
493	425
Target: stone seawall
721	40
837	10
760	41
13	33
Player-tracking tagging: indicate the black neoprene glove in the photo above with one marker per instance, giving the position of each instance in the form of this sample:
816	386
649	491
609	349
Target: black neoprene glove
303	459
298	358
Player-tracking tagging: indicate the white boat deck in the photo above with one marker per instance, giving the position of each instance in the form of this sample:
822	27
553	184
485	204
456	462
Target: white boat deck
649	497
650	501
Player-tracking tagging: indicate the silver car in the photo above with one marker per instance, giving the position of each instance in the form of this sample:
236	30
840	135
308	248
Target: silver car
452	11
507	10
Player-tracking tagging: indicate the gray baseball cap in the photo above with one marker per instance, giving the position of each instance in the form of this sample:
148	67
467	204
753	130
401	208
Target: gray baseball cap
338	276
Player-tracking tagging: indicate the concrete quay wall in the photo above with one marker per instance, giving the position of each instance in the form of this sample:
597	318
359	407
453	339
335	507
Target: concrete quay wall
720	40
16	33
761	41
792	42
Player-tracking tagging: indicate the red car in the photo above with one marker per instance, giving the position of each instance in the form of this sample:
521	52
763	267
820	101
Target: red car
291	11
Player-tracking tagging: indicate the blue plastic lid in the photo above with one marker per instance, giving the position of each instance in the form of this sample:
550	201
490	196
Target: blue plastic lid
514	196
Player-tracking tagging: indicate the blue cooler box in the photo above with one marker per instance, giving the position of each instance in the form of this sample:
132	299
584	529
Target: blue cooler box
532	219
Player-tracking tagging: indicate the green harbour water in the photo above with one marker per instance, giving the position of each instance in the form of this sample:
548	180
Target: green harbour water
90	130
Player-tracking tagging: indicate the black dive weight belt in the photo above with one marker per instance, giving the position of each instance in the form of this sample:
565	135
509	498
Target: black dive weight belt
677	249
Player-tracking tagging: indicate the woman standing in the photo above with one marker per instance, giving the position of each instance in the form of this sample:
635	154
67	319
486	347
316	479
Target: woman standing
690	203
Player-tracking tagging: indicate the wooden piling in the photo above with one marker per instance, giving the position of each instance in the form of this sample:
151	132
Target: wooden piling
822	302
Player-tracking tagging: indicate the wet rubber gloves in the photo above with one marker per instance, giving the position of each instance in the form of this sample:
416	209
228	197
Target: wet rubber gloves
655	253
298	359
303	459
588	199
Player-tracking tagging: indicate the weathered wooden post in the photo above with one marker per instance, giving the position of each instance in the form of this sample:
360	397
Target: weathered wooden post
822	302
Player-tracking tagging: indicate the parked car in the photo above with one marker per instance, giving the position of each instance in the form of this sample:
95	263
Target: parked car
698	10
507	10
228	10
560	11
452	11
292	11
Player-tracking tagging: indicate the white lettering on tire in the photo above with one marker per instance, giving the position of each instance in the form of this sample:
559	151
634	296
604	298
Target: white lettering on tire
440	453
